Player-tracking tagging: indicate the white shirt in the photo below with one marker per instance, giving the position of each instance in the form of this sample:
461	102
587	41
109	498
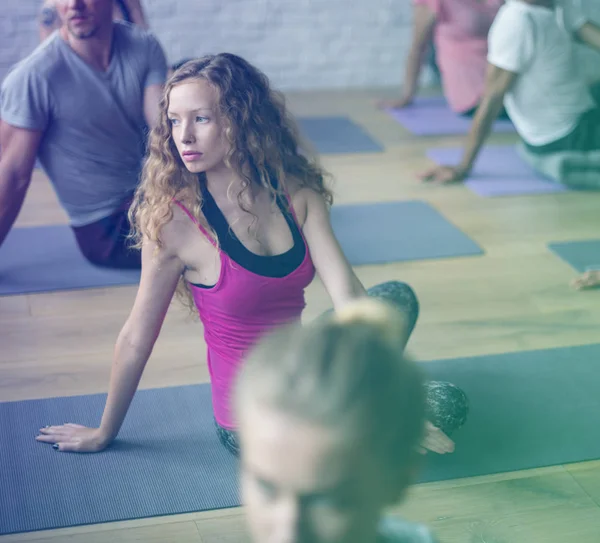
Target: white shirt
535	42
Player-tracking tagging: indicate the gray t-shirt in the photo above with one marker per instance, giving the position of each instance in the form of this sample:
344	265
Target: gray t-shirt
396	530
93	122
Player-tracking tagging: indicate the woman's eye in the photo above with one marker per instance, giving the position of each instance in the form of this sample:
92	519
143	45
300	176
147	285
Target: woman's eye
173	122
201	119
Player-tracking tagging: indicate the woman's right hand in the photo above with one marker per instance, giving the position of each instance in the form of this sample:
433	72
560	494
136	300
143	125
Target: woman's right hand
74	438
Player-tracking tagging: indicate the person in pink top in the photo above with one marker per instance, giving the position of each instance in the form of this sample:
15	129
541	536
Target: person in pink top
460	29
235	218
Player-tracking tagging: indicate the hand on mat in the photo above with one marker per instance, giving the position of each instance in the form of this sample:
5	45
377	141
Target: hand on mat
444	175
395	104
73	438
435	440
590	279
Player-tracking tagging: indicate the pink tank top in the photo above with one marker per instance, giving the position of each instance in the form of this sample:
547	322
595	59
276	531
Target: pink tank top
238	310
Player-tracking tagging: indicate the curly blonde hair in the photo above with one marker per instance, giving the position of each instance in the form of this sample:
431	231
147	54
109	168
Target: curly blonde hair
265	147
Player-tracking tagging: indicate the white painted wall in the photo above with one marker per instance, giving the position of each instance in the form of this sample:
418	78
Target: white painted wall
300	44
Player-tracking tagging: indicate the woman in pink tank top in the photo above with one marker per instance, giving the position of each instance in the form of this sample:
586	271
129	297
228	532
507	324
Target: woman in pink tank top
459	29
232	216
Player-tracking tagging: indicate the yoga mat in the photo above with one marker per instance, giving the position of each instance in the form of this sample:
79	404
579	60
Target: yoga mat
498	171
47	258
431	116
167	460
397	231
337	135
528	410
581	255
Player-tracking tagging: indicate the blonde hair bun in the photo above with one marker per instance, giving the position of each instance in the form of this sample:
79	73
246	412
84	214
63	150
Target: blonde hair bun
377	314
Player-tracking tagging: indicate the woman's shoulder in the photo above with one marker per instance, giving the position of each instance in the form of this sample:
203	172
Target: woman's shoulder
304	199
183	215
304	193
397	530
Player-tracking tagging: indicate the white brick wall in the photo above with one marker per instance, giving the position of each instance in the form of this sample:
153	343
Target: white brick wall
300	44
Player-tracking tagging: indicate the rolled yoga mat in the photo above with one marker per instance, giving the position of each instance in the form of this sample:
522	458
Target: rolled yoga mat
527	410
337	135
581	255
47	258
498	171
431	116
385	232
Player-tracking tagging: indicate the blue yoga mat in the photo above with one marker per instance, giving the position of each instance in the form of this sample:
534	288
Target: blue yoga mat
337	135
46	258
529	409
581	255
167	460
397	231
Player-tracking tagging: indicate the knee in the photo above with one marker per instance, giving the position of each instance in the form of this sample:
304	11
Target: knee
398	293
447	406
95	254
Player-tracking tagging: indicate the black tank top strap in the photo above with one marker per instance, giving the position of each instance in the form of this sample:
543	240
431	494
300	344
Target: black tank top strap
267	266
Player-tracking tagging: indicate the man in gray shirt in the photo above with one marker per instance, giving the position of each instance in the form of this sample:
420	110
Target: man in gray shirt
82	103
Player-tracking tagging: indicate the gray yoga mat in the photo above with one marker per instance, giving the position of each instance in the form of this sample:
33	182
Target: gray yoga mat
385	232
528	410
167	460
337	135
581	255
46	258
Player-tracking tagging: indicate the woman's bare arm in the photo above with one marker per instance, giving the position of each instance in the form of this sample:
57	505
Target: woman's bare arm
330	262
161	270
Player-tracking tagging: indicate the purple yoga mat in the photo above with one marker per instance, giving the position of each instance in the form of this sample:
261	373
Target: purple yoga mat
498	171
431	116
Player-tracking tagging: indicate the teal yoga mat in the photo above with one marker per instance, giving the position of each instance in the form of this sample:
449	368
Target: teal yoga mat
581	255
528	409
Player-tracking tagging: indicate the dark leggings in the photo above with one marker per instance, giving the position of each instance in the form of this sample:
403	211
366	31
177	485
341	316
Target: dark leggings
446	405
585	137
104	242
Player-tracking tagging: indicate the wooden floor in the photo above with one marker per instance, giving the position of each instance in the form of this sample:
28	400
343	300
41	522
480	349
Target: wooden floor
516	297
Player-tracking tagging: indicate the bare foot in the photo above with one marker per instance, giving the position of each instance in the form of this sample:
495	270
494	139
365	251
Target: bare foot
590	279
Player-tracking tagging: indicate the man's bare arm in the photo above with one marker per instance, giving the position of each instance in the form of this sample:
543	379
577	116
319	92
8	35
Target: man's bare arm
17	159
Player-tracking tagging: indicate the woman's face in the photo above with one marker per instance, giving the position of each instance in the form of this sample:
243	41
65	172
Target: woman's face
196	127
303	483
